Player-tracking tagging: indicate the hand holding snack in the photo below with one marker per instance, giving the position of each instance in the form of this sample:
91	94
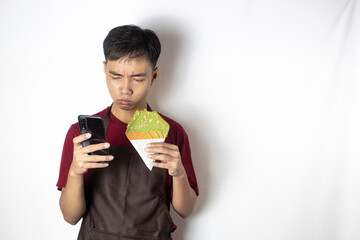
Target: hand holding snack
167	156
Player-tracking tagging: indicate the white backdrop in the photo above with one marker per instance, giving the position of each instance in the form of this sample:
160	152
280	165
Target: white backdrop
268	91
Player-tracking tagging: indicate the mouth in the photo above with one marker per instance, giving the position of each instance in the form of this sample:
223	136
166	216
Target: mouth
123	102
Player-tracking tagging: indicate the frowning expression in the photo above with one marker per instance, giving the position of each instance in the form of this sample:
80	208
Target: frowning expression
128	81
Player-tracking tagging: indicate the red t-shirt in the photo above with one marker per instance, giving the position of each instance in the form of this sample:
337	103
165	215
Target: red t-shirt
116	136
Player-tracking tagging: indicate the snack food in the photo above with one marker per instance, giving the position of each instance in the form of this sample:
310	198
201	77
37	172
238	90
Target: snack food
146	127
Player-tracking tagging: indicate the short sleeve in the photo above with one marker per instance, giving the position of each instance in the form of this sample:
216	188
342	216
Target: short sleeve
67	155
179	137
185	152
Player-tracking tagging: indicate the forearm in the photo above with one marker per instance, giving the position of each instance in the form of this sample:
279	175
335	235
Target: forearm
72	200
184	197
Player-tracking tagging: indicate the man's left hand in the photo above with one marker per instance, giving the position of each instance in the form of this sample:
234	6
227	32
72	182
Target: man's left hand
167	156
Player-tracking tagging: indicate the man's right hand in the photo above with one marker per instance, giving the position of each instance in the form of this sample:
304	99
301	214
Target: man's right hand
82	161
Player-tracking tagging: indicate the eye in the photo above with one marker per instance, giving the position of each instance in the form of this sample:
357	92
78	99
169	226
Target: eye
116	78
138	79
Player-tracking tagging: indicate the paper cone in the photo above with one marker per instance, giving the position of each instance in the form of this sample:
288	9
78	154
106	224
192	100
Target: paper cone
140	145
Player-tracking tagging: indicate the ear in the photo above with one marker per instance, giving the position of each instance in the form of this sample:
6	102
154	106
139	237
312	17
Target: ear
154	75
105	67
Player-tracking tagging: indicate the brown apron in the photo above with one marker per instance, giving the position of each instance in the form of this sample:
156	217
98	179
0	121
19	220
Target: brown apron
125	200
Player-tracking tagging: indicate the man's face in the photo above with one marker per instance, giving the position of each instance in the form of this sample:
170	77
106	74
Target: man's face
129	81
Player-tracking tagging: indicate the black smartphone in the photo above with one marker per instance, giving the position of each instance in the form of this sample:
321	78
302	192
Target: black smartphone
95	126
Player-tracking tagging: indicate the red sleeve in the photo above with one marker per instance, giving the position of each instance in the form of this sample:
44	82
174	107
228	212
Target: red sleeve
181	139
67	155
185	153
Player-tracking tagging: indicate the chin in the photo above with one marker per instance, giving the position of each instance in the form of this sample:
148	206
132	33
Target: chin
125	107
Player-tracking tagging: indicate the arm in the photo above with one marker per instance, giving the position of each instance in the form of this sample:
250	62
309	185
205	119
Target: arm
184	197
72	199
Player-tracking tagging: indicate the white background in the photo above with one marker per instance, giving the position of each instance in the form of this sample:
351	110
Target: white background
268	91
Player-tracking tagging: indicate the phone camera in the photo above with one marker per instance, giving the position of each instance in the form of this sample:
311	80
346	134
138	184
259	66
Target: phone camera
83	124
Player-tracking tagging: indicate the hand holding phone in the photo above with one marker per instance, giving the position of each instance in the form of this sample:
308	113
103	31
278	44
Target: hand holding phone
90	150
84	160
95	126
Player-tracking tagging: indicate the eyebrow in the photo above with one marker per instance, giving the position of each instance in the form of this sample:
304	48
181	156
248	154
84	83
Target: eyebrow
134	75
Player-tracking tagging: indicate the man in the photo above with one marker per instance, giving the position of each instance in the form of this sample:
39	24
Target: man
123	199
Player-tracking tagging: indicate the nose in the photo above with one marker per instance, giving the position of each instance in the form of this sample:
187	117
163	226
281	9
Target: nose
125	87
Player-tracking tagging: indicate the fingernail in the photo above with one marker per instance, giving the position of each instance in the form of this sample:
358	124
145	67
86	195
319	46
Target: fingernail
106	164
146	149
111	157
106	145
88	135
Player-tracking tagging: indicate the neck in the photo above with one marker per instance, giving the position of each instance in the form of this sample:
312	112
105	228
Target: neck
126	115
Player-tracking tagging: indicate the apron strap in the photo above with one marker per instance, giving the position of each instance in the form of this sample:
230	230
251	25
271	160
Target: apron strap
107	120
107	117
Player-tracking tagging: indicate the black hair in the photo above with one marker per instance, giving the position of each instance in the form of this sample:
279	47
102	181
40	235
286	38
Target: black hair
133	42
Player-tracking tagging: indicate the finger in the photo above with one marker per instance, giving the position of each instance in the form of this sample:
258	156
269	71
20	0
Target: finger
161	165
98	158
95	147
161	157
95	165
162	144
79	139
163	150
